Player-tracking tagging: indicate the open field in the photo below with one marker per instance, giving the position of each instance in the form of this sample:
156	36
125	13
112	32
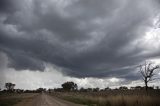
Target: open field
112	98
77	98
10	99
31	99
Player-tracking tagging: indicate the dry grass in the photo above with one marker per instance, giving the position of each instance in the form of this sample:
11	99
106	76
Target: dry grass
10	99
98	99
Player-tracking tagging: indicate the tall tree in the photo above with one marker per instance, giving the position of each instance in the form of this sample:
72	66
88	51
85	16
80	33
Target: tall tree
69	86
148	71
9	86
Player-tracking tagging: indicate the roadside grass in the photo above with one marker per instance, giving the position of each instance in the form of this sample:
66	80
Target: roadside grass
9	102
11	99
110	100
115	101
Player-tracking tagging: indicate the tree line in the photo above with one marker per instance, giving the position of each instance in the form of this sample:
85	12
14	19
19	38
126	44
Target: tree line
147	70
71	87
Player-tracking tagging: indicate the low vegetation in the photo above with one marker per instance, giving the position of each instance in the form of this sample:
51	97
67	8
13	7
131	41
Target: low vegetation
10	99
116	99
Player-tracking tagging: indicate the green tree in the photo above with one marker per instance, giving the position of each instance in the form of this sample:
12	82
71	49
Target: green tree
69	86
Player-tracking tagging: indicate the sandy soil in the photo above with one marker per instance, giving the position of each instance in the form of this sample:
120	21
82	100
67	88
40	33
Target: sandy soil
45	100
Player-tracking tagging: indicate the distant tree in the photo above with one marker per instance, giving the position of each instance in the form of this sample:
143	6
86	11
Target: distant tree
83	89
95	89
123	88
137	88
10	86
148	71
18	90
89	89
31	91
157	87
58	89
69	86
50	90
40	90
107	89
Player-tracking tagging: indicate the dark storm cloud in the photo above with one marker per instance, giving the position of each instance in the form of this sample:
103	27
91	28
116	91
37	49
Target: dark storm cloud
6	5
84	38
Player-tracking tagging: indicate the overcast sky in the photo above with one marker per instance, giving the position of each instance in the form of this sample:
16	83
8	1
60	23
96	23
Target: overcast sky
44	43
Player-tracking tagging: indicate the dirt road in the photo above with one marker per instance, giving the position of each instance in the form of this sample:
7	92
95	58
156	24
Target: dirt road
45	100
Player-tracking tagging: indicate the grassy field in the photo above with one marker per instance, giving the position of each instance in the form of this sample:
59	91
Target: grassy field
112	98
10	99
102	98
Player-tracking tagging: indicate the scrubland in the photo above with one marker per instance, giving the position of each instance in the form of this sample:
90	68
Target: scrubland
10	99
113	98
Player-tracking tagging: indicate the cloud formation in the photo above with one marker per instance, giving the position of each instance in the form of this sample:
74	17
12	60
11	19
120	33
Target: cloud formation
90	38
